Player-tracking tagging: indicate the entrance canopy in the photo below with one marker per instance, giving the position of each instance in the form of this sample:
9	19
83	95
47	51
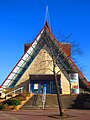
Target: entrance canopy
43	77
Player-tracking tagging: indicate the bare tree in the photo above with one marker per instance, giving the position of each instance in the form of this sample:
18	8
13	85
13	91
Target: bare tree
62	49
58	57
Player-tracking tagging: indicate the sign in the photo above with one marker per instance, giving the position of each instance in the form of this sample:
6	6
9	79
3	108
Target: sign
36	86
74	82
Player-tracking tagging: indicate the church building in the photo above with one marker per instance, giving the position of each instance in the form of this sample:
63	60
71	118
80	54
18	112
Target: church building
43	60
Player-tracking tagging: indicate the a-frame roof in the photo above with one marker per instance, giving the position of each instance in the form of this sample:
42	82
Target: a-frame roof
29	55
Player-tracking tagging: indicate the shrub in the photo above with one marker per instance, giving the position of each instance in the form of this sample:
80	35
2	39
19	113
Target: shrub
13	102
5	106
1	106
21	97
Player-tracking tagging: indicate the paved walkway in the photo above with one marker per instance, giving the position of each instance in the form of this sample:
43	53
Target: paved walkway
44	114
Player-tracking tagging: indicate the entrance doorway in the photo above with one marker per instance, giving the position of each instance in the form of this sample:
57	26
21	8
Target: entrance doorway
40	84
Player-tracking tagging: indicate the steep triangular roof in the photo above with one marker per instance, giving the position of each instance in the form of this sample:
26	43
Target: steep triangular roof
31	53
70	61
27	58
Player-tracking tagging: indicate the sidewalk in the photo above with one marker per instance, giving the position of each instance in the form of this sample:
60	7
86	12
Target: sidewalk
44	114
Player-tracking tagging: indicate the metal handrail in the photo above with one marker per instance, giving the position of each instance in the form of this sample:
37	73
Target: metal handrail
15	91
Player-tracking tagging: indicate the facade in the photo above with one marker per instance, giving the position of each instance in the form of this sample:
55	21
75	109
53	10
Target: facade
35	70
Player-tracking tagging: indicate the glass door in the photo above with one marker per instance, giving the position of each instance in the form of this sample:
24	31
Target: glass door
41	86
48	87
44	86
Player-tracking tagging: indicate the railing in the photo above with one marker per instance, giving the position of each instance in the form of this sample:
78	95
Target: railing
14	91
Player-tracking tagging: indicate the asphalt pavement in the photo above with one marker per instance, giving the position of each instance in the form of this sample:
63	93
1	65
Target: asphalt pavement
51	114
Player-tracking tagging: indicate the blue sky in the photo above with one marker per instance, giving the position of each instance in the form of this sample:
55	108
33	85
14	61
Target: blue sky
21	20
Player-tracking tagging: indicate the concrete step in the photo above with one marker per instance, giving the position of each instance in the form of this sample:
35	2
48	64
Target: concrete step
68	101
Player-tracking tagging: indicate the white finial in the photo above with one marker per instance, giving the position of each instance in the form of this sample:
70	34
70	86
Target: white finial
46	16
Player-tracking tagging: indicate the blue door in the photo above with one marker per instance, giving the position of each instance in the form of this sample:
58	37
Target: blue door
43	86
39	87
